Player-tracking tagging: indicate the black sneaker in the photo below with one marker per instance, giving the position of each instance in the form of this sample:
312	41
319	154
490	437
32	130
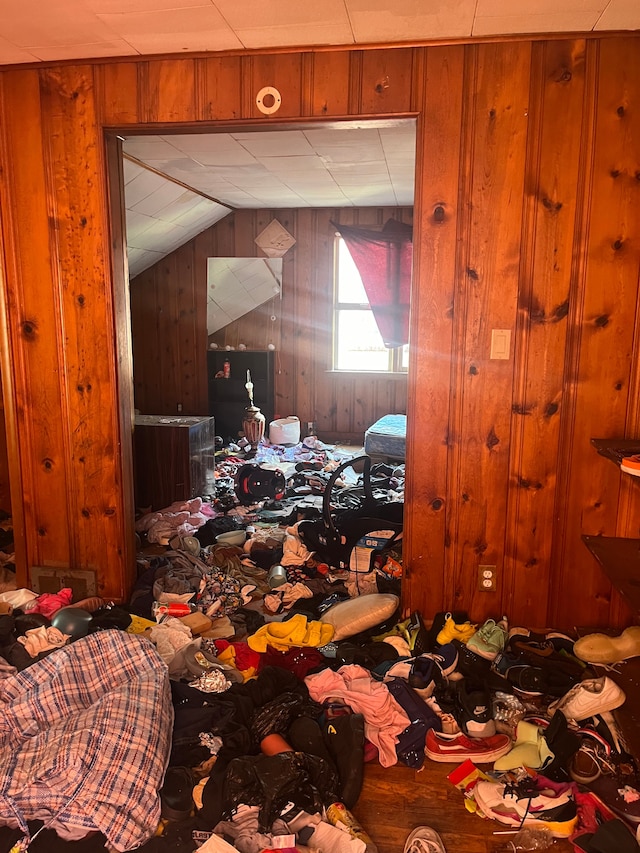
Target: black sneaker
473	709
176	794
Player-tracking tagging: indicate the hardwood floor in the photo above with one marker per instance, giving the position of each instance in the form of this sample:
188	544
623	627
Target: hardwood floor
396	799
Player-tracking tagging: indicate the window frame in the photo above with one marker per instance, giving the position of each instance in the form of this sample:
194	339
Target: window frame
395	354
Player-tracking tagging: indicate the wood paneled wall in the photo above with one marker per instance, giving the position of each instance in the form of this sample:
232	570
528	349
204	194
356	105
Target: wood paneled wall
526	219
169	325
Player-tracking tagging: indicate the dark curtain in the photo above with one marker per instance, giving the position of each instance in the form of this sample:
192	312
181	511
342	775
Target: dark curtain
384	259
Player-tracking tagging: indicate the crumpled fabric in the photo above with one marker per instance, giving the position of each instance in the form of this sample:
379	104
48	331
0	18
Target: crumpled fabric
384	719
38	640
169	637
294	551
49	603
242	828
296	631
285	596
177	580
181	517
221	595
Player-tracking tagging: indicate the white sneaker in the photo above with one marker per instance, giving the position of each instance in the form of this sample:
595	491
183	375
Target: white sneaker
423	839
589	697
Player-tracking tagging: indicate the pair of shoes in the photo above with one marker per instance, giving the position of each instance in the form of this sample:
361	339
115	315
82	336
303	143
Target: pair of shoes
423	839
589	697
458	747
453	631
530	802
545	655
588	763
490	639
473	710
600	648
559	641
431	667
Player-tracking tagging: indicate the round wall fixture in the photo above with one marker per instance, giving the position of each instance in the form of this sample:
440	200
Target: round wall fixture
268	100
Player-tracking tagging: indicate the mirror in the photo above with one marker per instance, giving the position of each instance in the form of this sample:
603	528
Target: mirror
236	286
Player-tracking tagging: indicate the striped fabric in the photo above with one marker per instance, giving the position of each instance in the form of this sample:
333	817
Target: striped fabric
85	735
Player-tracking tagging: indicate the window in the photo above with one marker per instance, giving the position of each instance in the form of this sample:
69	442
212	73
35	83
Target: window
357	343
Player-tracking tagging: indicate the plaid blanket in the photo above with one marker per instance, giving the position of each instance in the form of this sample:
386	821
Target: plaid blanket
85	735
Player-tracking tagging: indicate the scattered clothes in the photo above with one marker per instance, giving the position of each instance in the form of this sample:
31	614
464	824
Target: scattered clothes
297	631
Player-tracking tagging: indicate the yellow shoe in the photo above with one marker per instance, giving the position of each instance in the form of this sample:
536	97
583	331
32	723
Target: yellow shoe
451	631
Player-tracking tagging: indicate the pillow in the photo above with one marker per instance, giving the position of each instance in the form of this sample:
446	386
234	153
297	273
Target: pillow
357	614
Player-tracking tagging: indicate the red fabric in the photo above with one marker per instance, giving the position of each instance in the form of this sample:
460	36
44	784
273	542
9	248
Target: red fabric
384	261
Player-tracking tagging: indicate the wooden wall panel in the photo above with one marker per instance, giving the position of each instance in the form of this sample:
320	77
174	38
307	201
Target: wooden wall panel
488	289
33	313
87	384
431	364
5	490
607	332
526	219
219	81
168	90
558	87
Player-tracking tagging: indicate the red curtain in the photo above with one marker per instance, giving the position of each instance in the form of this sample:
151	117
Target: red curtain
384	259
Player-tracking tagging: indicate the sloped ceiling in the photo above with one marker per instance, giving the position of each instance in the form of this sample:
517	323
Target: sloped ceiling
178	185
32	31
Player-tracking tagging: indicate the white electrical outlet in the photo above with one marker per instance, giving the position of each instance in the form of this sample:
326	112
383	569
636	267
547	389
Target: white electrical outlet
487	578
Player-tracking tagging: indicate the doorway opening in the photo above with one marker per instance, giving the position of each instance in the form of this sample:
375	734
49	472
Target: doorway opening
190	198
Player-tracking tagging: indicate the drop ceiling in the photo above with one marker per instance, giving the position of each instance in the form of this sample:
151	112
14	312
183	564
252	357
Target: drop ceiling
32	31
178	185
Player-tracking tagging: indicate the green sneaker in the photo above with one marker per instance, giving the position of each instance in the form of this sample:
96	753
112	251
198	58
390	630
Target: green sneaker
490	639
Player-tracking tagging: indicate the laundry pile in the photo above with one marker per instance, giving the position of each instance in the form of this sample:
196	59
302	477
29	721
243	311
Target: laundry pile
260	726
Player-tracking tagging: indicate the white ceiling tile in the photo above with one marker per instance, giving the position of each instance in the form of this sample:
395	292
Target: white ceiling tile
111	47
287	22
10	54
137	223
324	138
104	7
275	144
164	195
191	143
149	148
556	22
620	15
31	23
302	163
193	28
141	186
533	8
402	20
290	35
141	259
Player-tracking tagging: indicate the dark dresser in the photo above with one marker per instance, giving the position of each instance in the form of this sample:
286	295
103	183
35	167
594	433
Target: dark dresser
174	459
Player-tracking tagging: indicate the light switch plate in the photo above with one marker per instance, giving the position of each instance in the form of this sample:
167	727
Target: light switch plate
500	343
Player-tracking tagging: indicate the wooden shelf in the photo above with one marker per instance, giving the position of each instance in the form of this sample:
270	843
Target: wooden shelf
620	560
616	449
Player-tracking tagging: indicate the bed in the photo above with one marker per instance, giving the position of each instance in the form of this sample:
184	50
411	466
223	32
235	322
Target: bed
385	439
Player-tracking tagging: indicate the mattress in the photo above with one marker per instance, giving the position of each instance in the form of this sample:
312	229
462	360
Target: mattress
387	437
